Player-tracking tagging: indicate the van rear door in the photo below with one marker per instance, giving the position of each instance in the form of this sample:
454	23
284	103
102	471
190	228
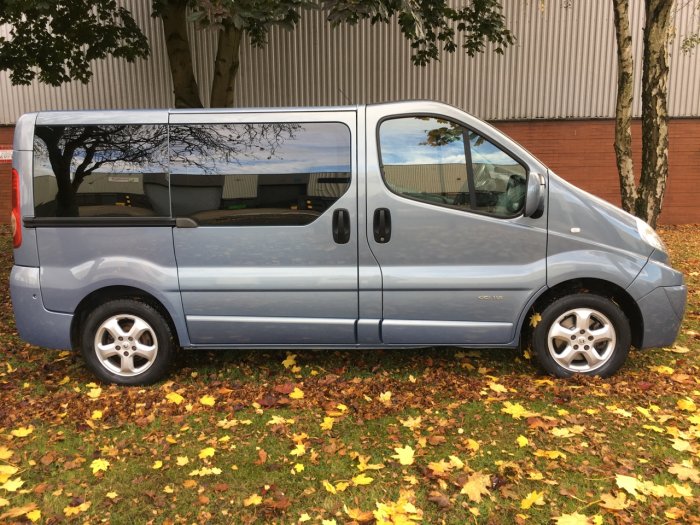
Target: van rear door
266	235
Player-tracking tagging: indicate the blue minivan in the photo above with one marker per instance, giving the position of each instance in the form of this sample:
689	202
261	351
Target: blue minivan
407	224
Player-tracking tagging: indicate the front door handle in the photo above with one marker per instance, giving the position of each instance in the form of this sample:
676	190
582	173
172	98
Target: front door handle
382	225
341	226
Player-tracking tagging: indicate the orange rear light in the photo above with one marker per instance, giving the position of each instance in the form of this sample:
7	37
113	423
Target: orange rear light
15	217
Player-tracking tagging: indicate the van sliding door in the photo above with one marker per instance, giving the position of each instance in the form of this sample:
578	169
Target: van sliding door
266	236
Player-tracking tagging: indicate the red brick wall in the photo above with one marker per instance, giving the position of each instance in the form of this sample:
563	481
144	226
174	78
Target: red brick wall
5	180
581	151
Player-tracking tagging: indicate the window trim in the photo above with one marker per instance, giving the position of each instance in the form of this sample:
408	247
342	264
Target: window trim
470	169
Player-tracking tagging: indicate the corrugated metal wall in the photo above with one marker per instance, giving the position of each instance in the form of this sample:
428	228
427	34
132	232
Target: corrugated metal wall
562	66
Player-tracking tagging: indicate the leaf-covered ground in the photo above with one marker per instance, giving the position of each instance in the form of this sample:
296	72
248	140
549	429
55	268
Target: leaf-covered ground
429	436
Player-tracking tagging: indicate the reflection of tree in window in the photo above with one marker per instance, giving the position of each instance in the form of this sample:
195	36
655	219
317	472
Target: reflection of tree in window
75	152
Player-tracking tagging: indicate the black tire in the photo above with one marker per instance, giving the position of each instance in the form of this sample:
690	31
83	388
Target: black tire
591	340
128	366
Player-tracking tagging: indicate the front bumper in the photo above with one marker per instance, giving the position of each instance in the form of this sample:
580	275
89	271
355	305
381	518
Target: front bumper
35	324
662	312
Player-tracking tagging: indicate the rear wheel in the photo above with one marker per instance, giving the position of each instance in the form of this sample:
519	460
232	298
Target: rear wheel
584	334
127	342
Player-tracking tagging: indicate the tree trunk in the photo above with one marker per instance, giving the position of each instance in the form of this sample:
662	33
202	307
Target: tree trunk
174	17
652	184
623	108
226	66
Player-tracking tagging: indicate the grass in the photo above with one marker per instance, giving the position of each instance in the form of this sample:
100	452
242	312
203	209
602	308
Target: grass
271	456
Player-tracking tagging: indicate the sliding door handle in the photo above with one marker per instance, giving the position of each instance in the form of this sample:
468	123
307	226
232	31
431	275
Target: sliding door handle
382	225
341	226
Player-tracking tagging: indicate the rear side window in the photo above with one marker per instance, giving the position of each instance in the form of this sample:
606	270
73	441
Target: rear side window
438	161
101	171
264	174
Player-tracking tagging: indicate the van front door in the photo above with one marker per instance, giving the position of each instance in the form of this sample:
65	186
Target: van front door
266	236
459	261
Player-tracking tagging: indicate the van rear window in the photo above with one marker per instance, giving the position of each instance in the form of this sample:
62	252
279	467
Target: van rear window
101	171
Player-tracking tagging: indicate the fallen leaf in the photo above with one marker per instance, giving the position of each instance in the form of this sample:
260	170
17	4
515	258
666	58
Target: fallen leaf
207	400
253	499
206	452
174	397
22	431
296	394
99	465
404	455
476	486
619	502
362	479
573	519
534	498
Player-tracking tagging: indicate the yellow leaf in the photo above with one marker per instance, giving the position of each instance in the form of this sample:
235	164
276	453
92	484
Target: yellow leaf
498	388
327	423
96	414
4	502
22	431
111	495
516	410
329	487
686	404
597	519
473	445
456	462
94	393
680	445
329	522
404	455
299	450
181	461
299	468
157	464
98	465
34	515
666	370
412	422
677	349
341	486
440	467
362	479
5	453
208	401
253	499
685	471
7	471
174	397
304	518
74	511
535	319
628	483
550	454
358	515
522	441
534	498
291	360
64	380
477	485
619	502
168	489
206	452
385	397
296	394
572	519
11	485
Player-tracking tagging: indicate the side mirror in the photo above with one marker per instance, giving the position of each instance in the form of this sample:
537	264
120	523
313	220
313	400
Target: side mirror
536	191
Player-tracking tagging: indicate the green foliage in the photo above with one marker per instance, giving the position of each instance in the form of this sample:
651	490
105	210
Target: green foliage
55	40
432	24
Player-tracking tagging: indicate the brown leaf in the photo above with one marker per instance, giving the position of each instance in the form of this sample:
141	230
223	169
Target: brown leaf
262	457
286	388
48	458
268	400
440	499
221	487
436	440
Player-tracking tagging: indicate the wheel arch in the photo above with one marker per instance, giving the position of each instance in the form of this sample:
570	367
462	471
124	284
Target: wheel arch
112	293
599	287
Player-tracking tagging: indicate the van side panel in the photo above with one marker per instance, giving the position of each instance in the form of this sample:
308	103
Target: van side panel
590	238
76	261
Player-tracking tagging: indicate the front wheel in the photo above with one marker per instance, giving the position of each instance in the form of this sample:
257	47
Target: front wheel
584	334
127	342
